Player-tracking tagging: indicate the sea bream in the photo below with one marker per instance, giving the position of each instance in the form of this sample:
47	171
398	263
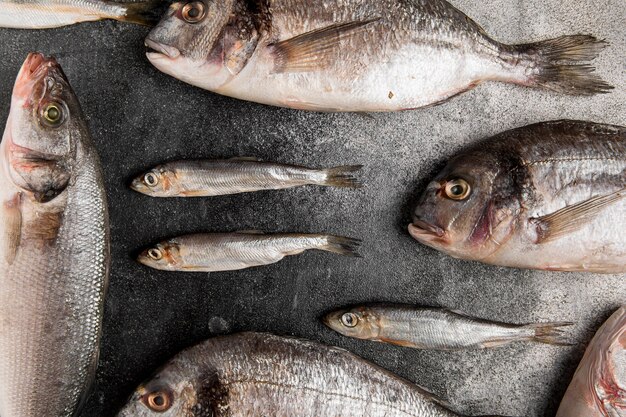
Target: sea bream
254	374
213	252
202	178
546	196
598	388
47	14
356	55
436	328
54	248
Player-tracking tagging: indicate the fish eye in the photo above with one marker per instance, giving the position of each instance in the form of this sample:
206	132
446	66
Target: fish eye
158	401
458	189
52	114
349	320
155	254
151	179
194	12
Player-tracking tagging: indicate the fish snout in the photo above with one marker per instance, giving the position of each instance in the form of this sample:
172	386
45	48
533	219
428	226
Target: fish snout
427	233
37	72
160	50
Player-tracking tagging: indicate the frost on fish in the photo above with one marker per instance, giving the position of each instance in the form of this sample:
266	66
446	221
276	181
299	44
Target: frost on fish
598	388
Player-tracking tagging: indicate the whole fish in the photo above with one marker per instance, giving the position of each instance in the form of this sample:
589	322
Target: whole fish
54	254
253	374
356	55
212	252
203	178
598	388
546	196
435	328
46	14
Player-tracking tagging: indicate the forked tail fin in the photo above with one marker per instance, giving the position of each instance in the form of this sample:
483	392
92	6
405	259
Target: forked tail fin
561	65
550	333
343	177
147	13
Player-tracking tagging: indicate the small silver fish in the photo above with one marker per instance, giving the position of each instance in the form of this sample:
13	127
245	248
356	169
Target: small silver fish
435	328
47	14
255	375
598	388
546	196
203	178
356	55
213	252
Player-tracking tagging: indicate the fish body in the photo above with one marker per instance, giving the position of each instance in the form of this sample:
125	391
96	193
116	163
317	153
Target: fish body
598	388
435	328
214	252
252	374
47	14
203	178
55	248
546	196
355	55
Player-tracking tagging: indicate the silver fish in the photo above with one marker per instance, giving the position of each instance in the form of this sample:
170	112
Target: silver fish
356	55
212	252
46	14
436	328
54	236
203	178
253	374
546	196
598	388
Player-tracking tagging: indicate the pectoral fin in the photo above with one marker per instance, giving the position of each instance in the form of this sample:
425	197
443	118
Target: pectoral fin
574	217
314	50
12	214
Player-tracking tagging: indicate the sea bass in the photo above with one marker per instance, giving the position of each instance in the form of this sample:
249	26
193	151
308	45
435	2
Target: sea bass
46	14
252	374
212	252
204	178
54	253
546	196
599	385
436	328
355	55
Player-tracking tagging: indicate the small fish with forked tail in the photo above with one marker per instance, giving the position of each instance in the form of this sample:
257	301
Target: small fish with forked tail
436	328
213	252
202	178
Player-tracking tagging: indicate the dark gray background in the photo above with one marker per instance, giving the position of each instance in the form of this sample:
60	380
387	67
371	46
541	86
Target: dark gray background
140	117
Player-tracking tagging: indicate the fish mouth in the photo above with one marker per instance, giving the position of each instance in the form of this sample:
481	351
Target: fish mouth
426	232
36	68
156	50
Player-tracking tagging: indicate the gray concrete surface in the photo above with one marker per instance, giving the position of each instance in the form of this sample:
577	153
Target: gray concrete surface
140	117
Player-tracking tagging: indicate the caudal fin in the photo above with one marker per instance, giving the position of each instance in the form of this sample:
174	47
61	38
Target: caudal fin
147	13
342	245
343	177
562	65
550	333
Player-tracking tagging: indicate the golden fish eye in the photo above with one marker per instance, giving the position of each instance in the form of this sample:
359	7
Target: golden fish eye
458	189
159	401
151	179
155	254
52	114
349	320
194	12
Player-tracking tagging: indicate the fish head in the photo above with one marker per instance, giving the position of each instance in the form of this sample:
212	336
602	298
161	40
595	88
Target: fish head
158	182
164	256
169	393
187	42
44	129
469	209
357	322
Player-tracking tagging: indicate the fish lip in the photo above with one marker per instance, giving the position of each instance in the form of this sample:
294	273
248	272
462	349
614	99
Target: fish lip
161	50
420	228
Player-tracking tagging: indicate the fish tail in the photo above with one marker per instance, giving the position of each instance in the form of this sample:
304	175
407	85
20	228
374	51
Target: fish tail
147	13
345	177
561	65
342	245
550	333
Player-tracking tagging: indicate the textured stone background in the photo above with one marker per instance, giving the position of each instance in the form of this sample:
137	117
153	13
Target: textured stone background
140	117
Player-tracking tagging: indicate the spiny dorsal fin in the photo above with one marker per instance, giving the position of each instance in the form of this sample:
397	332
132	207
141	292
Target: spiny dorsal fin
12	213
312	51
574	217
250	232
